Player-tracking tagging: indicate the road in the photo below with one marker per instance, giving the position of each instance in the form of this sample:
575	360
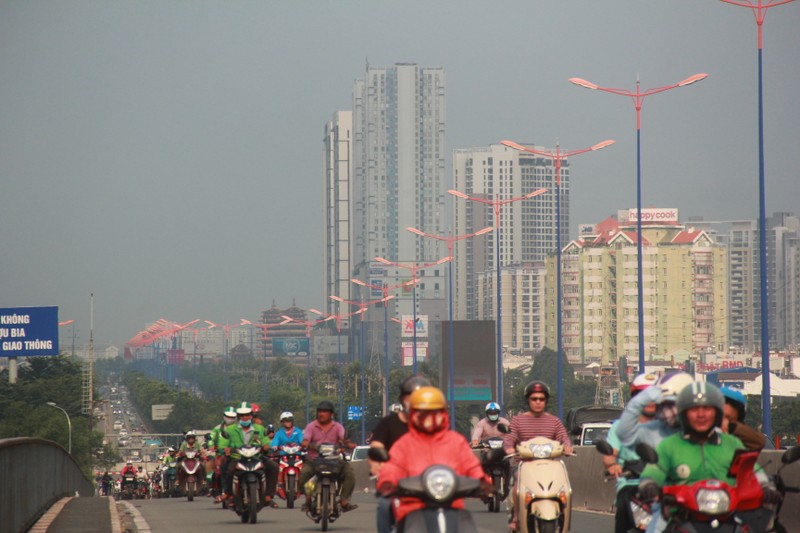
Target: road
167	515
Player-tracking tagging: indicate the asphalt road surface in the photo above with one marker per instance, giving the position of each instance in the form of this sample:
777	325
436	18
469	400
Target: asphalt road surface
176	514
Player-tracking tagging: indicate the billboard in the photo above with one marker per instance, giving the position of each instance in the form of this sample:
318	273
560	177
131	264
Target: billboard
408	325
28	331
654	215
475	363
330	344
408	352
290	346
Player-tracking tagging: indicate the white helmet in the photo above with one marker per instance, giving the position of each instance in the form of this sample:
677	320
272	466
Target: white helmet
672	384
286	415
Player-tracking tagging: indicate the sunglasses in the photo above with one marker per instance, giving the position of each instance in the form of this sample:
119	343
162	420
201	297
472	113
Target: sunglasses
537	399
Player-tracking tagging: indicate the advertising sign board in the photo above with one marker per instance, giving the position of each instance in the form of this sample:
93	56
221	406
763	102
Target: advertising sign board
408	352
654	215
290	346
28	331
330	344
408	325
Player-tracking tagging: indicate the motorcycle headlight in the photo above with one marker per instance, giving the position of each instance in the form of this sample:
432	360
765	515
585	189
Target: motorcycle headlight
713	502
249	451
326	450
190	454
641	515
541	451
439	483
495	444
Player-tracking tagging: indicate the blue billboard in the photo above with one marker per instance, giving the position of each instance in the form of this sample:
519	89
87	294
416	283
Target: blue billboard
290	346
28	331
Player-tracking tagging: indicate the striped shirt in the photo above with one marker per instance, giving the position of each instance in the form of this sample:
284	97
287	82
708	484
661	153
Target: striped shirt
526	426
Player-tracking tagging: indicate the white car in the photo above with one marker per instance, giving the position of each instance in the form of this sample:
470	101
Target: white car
359	453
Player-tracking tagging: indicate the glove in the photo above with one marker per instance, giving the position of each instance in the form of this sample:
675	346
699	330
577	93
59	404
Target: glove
648	491
771	495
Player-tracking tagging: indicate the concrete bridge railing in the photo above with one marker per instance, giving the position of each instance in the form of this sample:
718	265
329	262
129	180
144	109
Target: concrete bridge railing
35	473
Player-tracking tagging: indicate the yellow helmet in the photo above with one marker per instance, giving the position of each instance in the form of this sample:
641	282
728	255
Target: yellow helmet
427	399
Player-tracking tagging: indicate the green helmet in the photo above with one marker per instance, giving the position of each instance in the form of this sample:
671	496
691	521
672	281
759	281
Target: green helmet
696	394
230	412
244	408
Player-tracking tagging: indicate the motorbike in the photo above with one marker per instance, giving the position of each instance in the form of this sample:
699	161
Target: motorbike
543	495
639	512
790	456
249	484
712	505
494	464
190	466
128	486
168	485
290	464
438	487
323	487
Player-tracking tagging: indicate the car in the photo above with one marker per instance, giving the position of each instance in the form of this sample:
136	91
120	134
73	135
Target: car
359	453
591	432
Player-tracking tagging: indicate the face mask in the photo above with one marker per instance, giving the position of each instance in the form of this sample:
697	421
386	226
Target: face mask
229	420
245	423
429	421
668	413
494	418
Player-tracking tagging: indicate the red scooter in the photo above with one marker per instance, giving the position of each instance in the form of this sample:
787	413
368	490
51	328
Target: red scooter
290	464
191	475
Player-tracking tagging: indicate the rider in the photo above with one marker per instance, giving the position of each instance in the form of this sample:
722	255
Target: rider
533	423
429	441
733	420
190	443
626	488
287	434
218	444
105	482
326	430
128	470
388	430
242	434
699	451
487	427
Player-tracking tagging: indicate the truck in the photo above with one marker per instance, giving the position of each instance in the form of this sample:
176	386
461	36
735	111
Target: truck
590	423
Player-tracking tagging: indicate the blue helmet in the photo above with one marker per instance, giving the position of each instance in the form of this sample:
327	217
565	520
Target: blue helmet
492	410
735	398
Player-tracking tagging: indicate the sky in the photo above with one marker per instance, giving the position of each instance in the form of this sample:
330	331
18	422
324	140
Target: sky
166	155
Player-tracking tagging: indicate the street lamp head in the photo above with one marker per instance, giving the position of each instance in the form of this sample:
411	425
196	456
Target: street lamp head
515	146
484	231
416	231
583	83
52	404
337	298
458	193
601	145
693	79
382	260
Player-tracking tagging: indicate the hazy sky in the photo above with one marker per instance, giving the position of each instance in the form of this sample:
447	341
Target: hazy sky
166	155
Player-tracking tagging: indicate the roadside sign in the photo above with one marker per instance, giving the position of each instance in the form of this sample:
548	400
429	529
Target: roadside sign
354	412
28	331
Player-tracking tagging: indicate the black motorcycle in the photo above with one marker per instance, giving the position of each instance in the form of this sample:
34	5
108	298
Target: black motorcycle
495	466
249	484
324	488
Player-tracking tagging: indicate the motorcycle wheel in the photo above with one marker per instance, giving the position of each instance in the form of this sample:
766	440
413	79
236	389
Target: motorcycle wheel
545	526
325	511
291	493
252	496
190	491
494	503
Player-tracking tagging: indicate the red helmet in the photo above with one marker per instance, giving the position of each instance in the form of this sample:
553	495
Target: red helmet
641	382
537	386
256	409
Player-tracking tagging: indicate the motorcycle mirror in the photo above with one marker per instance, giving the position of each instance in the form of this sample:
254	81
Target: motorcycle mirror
647	453
379	455
791	455
604	447
503	428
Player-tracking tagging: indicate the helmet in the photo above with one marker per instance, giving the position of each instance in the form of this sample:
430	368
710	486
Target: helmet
671	385
735	398
172	449
428	410
537	386
325	405
190	434
412	383
287	415
697	394
244	408
396	407
492	410
427	399
641	382
230	412
256	409
270	428
129	462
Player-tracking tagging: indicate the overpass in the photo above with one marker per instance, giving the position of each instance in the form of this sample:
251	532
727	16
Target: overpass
38	474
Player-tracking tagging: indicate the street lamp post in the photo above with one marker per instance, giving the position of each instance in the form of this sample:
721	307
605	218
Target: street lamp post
759	10
69	424
497	205
385	288
264	328
225	336
363	306
309	325
557	156
449	240
413	268
638	97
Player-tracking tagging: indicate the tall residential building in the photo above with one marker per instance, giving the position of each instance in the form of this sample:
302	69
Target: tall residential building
685	290
338	213
527	228
384	171
783	283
